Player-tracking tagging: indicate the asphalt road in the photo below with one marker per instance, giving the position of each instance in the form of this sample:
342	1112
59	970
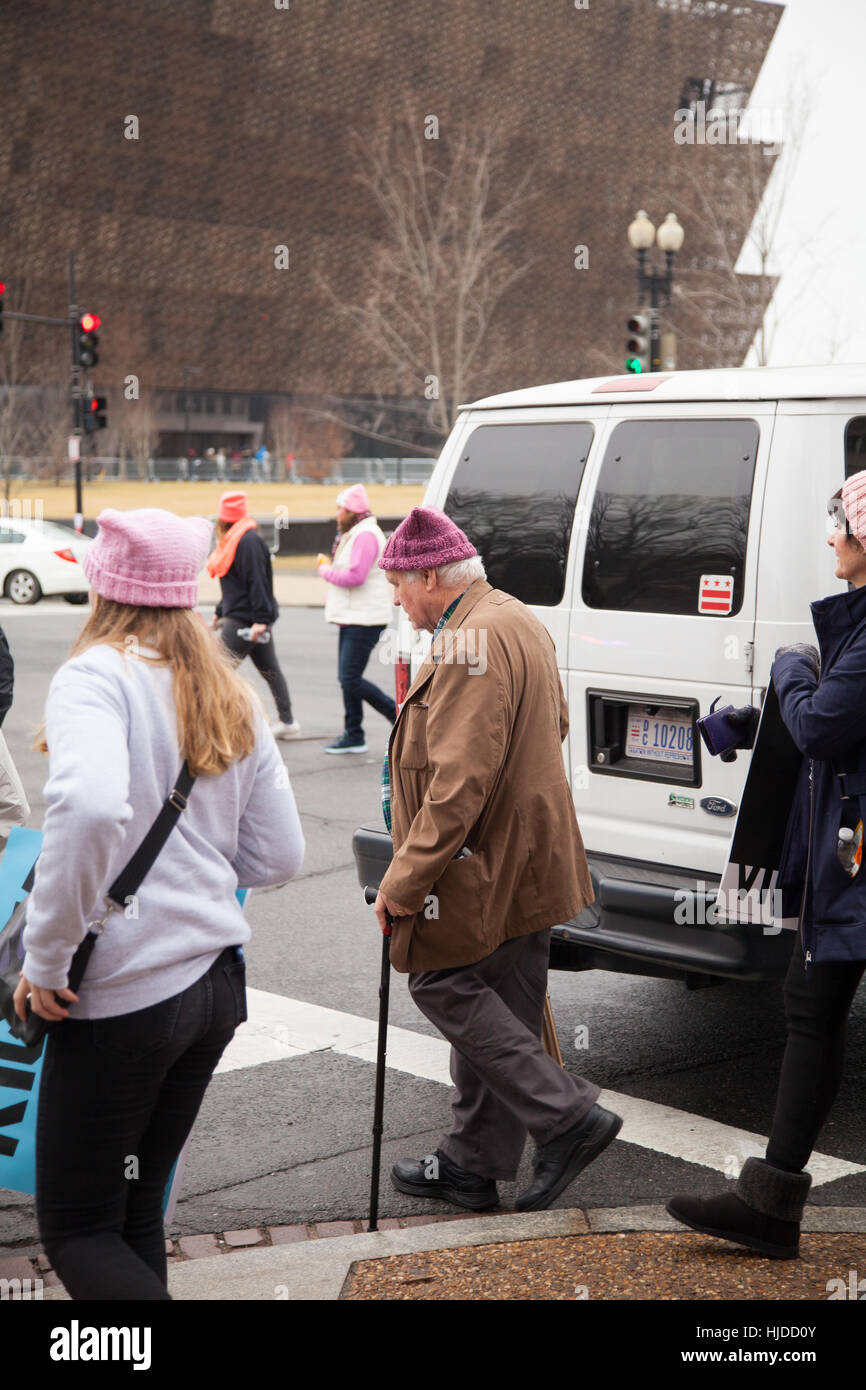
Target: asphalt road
287	1141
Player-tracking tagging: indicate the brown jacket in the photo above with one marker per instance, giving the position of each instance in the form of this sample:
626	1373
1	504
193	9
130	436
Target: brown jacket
476	763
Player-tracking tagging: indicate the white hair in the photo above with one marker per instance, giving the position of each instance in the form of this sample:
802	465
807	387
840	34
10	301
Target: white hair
460	572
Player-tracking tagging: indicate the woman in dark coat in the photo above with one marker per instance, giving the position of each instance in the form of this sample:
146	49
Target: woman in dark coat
823	703
247	608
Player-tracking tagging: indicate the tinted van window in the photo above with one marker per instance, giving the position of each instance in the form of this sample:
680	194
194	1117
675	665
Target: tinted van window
514	492
672	506
855	445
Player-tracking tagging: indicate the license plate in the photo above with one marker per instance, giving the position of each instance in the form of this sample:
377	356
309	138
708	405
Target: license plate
662	737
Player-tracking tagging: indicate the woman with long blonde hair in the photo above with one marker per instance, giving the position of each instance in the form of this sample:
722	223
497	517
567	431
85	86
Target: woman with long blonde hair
145	690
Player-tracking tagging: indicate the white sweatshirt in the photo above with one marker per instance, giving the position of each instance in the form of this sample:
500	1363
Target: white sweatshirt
113	758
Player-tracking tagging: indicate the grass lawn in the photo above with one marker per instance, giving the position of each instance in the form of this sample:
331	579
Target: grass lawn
201	499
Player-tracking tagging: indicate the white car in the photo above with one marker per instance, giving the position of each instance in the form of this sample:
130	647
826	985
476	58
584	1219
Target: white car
39	558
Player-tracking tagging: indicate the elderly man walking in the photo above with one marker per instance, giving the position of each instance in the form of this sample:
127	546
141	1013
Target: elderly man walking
487	858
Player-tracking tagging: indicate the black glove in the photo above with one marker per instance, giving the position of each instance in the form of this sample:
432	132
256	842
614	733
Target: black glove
746	719
803	649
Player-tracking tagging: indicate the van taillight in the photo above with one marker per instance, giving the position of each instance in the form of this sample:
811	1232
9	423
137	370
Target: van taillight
66	554
402	681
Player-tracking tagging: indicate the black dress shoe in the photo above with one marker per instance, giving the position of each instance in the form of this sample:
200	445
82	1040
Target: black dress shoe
437	1176
559	1162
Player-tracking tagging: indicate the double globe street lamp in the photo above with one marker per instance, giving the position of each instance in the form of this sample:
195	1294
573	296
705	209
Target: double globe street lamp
651	285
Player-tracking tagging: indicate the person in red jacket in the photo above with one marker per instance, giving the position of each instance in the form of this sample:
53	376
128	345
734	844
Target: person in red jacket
247	609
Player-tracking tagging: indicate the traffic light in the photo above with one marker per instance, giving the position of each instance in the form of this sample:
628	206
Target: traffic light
638	345
86	340
2	292
95	414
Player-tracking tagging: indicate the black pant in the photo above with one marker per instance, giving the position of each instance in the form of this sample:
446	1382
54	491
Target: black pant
264	658
117	1100
817	1004
356	644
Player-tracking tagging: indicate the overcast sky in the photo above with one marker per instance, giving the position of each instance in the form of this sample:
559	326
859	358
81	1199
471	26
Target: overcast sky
821	299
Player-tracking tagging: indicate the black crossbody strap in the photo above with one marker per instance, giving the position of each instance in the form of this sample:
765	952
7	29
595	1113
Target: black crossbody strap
130	878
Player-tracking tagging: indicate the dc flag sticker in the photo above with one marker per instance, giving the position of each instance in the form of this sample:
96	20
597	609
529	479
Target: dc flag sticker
716	593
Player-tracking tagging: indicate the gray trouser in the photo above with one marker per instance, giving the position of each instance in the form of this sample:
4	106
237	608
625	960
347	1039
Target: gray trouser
505	1083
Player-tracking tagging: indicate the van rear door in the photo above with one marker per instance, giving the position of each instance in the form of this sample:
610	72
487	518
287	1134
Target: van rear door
663	621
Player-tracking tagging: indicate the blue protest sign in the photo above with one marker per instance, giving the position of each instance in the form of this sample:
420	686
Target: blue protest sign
20	1066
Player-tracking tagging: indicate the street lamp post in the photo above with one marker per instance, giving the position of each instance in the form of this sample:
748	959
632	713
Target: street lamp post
650	283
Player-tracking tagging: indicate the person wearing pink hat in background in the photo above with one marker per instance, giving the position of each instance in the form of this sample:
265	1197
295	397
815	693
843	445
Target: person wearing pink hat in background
487	858
242	563
359	602
132	1052
822	700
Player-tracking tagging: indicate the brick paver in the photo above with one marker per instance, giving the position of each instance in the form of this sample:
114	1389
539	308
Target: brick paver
287	1235
237	1239
199	1247
334	1228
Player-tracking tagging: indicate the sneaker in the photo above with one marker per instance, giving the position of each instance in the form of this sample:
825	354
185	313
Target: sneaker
281	730
344	744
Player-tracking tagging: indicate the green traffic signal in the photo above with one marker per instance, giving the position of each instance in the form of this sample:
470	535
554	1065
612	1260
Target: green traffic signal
633	364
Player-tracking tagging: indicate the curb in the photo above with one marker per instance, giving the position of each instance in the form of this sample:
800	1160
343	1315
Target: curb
302	1267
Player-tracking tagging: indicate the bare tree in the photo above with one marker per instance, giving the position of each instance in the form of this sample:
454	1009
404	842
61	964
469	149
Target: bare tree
55	425
443	263
321	438
282	430
731	316
18	413
137	427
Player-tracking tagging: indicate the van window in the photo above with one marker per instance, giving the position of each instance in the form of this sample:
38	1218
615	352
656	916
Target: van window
672	506
855	445
514	492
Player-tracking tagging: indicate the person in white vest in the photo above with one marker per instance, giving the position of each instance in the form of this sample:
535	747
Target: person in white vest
359	602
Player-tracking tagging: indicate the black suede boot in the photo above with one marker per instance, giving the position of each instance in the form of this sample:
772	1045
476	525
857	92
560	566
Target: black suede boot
763	1213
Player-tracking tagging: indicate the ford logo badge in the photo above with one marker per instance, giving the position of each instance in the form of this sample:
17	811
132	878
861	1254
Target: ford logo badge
718	806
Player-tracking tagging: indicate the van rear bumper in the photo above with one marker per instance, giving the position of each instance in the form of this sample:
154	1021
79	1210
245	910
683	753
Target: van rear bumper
632	927
648	920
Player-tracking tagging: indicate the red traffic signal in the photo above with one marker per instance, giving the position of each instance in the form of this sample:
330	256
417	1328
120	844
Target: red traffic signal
87	340
95	414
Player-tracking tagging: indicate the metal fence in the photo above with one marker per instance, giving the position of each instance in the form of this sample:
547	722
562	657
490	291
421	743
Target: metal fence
347	470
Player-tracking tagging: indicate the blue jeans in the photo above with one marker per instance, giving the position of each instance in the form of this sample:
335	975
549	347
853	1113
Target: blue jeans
117	1101
356	644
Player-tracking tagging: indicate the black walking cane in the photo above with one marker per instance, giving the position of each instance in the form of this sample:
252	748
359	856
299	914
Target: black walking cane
381	1048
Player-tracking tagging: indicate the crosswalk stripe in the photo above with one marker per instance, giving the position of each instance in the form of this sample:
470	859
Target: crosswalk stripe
279	1028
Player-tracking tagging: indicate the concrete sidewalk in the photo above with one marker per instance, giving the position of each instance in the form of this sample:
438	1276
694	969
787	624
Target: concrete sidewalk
295	590
604	1254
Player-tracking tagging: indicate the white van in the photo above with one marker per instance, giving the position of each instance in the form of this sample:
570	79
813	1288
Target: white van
669	531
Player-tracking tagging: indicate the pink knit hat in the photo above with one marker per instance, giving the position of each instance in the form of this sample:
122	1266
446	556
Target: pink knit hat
853	492
354	499
424	541
148	557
